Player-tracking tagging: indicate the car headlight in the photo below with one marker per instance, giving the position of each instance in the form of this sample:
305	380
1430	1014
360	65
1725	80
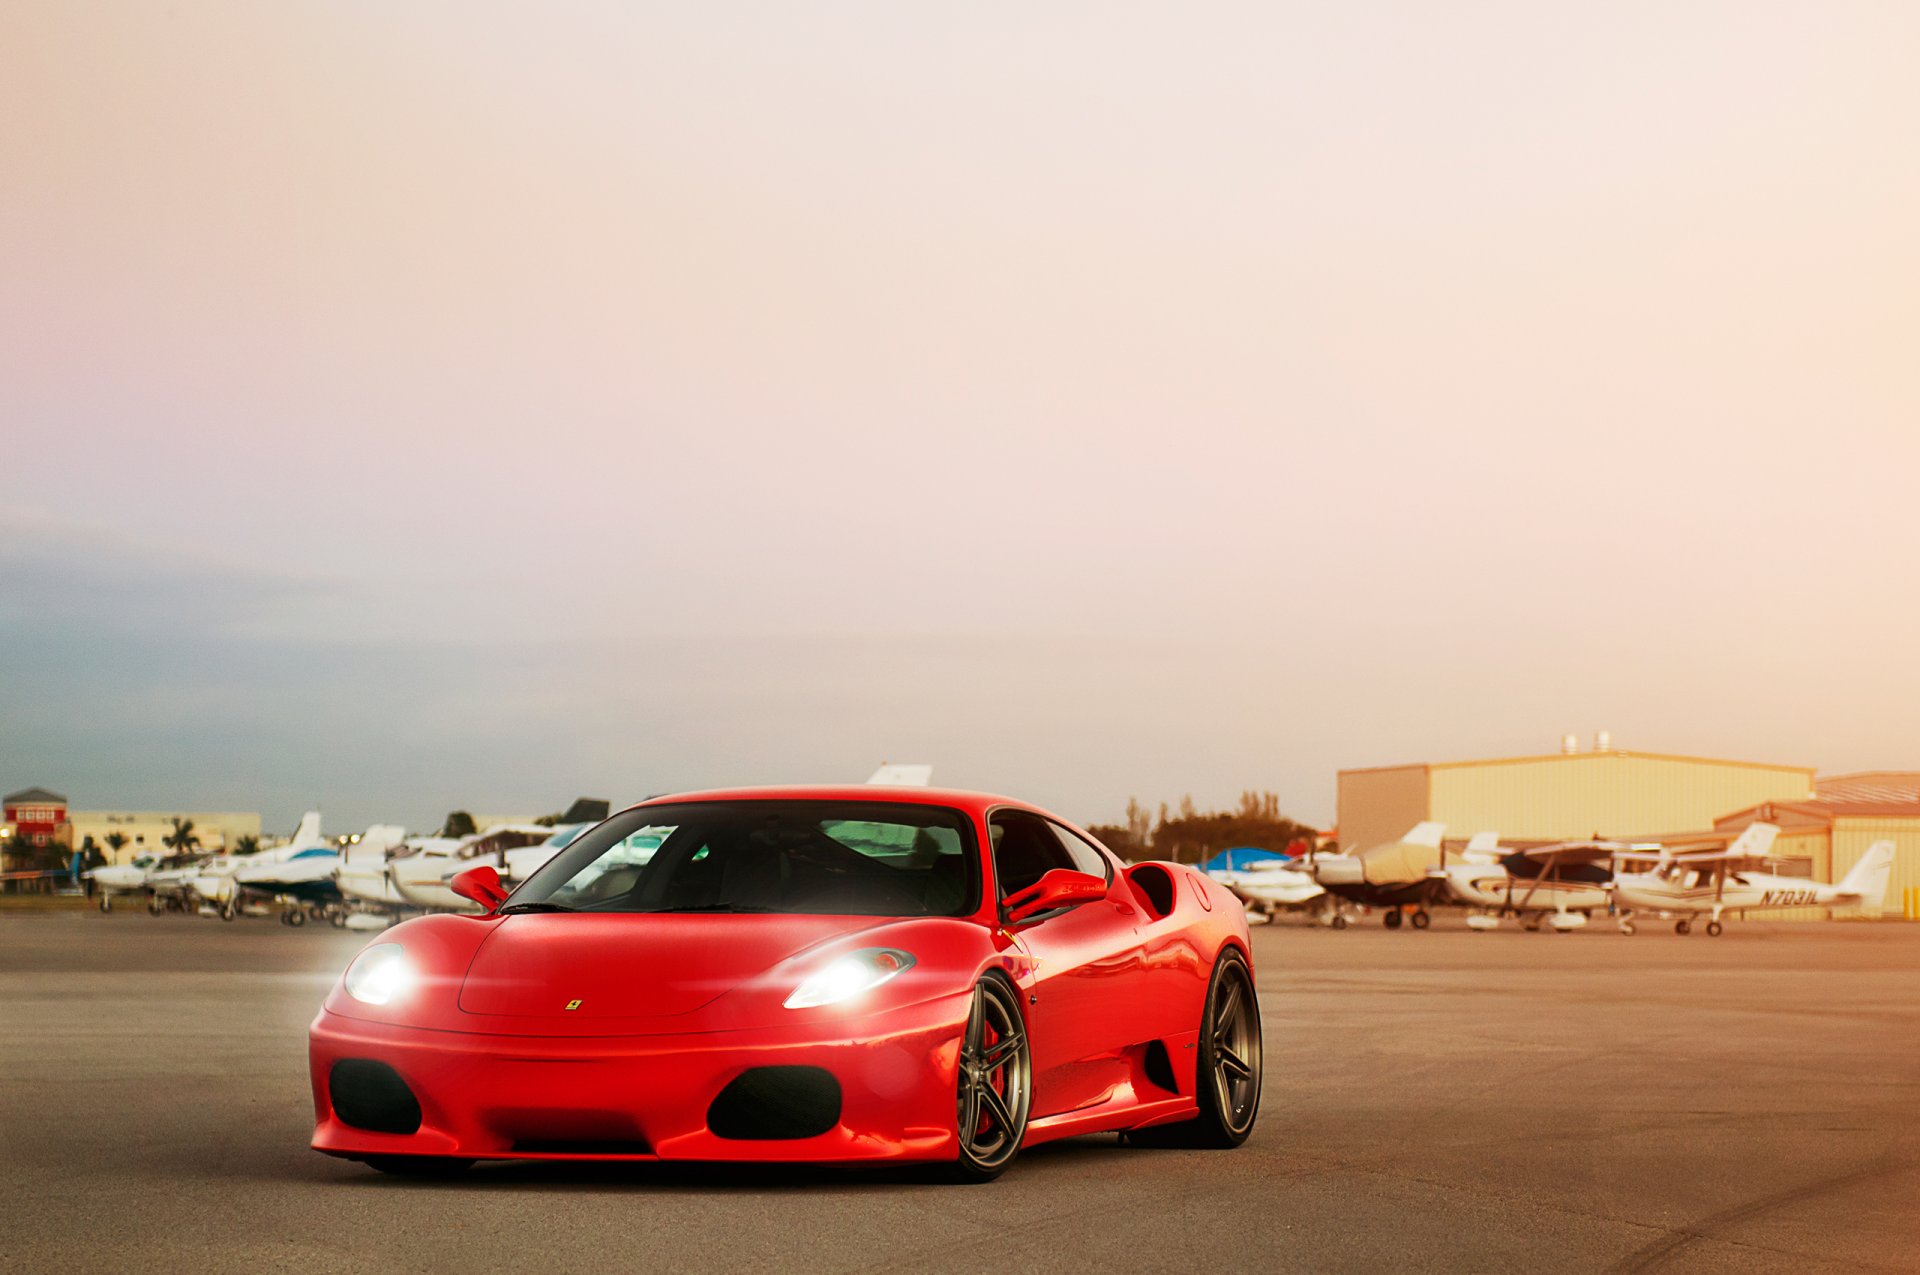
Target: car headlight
850	975
379	974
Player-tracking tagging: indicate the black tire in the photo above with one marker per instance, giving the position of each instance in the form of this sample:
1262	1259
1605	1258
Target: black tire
294	917
1713	929
1391	918
1339	922
106	903
1682	927
1421	919
419	1166
996	1112
1229	1102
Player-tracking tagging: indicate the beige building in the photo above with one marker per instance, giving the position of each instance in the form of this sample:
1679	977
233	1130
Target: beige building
148	829
1843	816
1560	796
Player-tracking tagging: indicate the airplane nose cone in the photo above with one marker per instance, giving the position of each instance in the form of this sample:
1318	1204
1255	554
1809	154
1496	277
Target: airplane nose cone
1338	872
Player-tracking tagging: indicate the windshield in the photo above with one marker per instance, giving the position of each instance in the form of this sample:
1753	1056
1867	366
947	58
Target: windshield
823	858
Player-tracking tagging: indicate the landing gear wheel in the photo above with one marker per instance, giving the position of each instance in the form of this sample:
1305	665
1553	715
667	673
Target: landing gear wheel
1681	927
1713	929
1228	1070
1626	927
1339	922
994	1084
155	905
229	910
106	904
294	917
339	920
419	1166
1421	918
1391	919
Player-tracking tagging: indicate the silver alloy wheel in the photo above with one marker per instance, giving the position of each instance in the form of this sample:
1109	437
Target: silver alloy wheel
1235	1046
996	1072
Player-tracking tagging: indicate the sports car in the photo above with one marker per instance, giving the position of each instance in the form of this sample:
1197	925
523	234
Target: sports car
841	975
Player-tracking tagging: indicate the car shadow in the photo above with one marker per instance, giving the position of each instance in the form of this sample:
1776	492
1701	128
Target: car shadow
615	1176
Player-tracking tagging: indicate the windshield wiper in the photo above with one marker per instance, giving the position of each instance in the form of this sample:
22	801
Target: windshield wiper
512	908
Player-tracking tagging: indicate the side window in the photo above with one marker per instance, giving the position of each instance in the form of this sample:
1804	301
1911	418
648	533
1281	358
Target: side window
1024	850
1086	858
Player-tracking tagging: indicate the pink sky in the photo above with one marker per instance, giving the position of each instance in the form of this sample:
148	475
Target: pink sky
471	404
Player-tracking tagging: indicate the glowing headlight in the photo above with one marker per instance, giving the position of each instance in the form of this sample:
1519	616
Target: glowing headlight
379	974
849	976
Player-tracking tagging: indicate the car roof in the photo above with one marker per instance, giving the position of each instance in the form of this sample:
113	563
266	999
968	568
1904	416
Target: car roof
958	798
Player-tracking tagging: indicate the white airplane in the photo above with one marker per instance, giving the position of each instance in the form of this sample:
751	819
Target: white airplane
1728	881
419	871
133	877
1557	885
1269	886
214	883
305	877
895	775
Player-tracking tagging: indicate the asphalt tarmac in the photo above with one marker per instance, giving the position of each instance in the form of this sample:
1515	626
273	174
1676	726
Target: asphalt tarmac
1434	1101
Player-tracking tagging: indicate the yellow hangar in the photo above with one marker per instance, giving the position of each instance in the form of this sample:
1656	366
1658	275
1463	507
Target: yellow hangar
1561	796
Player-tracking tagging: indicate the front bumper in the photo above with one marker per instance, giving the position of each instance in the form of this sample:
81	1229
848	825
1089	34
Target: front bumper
485	1096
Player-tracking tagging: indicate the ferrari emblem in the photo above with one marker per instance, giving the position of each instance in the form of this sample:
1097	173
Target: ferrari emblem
573	1004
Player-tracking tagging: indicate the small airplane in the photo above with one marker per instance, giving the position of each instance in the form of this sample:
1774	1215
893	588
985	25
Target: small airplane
304	878
135	876
1558	885
1723	881
1269	883
1395	876
420	871
214	883
902	775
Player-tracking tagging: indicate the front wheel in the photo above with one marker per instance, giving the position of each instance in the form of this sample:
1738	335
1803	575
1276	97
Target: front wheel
995	1084
1713	929
1391	918
106	904
1421	919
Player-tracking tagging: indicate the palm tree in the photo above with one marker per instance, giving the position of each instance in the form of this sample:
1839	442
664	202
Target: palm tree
115	840
182	838
246	845
459	824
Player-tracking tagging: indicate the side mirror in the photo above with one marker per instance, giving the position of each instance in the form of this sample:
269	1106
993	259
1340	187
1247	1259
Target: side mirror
1060	888
482	885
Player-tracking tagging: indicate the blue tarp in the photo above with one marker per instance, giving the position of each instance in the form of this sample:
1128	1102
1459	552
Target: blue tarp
1239	858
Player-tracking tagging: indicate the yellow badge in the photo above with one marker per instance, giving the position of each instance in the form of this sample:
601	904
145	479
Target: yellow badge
573	1004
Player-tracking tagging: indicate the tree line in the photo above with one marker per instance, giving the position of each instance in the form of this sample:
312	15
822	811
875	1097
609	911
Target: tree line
1186	834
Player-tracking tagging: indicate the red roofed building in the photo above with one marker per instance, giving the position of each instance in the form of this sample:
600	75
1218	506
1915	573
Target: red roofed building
1845	815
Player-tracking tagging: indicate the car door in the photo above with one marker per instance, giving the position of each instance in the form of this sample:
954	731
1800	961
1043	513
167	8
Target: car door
1082	959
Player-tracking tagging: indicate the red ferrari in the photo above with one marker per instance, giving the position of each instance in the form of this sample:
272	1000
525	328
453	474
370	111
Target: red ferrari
804	974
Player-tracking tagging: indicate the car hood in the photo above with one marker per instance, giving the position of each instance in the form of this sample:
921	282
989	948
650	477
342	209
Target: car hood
593	967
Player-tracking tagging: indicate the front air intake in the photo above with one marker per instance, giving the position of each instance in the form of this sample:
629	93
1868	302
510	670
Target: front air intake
776	1104
370	1095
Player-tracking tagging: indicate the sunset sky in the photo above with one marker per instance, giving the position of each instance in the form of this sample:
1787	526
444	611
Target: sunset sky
411	406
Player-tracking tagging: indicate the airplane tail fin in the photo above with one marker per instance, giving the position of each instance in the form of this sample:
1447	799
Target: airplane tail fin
1426	834
1482	848
1755	841
1869	877
896	775
307	835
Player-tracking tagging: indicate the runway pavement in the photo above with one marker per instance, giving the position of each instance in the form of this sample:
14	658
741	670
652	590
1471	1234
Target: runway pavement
1436	1101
